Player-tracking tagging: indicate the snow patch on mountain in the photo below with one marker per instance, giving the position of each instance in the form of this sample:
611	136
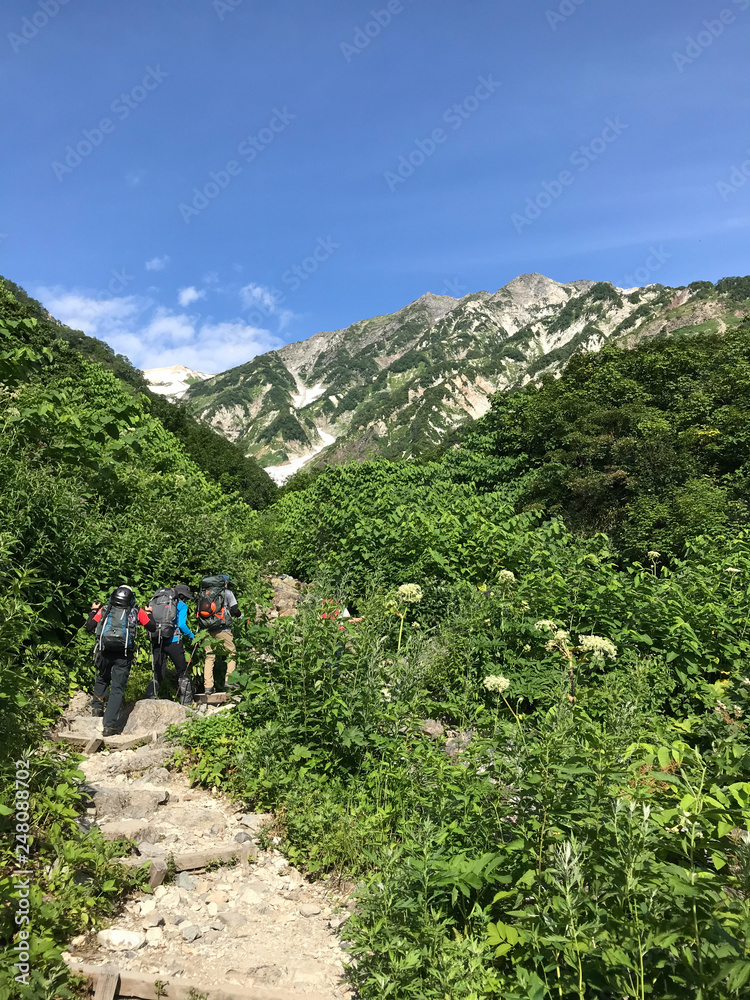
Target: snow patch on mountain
280	473
306	395
173	381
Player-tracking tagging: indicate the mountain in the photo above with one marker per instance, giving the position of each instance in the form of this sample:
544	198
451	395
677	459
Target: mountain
220	460
397	385
172	382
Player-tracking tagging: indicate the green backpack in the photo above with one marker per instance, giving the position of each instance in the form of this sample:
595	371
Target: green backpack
212	612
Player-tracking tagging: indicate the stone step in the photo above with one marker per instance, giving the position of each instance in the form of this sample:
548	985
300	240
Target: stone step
141	760
188	861
127	803
83	741
142	987
129	829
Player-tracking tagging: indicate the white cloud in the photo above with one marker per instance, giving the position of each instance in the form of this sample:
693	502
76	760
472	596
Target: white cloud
166	327
254	296
92	314
265	302
186	296
157	263
153	336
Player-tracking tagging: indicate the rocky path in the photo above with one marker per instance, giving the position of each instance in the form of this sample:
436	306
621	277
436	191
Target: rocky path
247	928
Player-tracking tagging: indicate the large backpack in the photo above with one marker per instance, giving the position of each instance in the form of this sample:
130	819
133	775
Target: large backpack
212	612
116	629
164	613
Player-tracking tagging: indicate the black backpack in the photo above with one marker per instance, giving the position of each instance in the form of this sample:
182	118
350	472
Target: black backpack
212	612
116	629
164	613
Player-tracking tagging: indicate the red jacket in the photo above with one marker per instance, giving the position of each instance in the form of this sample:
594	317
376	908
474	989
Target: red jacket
143	619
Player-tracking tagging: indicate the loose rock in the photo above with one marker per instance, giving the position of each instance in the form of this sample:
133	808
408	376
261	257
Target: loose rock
119	940
154	716
154	936
254	821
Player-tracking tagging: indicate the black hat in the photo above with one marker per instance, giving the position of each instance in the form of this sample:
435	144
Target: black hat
183	591
123	597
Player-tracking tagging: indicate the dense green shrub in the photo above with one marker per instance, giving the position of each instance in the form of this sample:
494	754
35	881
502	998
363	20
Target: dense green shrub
219	459
75	880
565	594
584	848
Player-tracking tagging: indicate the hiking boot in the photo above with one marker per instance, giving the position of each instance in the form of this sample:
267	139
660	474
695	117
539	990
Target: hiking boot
98	713
109	731
209	690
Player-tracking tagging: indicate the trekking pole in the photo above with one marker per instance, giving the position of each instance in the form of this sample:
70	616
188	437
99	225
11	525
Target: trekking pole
155	687
196	643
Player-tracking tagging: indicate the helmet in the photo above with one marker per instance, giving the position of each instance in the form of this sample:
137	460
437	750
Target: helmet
183	592
123	597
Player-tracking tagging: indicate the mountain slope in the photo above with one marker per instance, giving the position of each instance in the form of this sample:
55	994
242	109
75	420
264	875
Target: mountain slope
218	458
172	382
398	384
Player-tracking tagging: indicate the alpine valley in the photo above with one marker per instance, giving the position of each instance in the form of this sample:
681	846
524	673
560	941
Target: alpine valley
397	385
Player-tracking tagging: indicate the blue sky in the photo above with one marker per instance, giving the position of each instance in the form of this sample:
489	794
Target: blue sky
198	181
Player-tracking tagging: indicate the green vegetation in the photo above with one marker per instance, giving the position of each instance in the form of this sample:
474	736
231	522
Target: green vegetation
531	756
223	462
94	491
393	379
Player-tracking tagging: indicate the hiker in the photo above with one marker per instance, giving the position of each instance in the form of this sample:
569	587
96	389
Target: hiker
169	611
115	626
217	605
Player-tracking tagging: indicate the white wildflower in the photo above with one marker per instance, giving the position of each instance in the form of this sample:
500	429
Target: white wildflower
497	685
545	625
559	643
654	555
597	647
506	577
410	593
525	605
527	648
733	569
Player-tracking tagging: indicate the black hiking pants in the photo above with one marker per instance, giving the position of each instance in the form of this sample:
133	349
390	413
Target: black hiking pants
112	671
174	651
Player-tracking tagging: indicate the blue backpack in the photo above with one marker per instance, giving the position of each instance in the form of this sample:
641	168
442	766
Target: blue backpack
116	629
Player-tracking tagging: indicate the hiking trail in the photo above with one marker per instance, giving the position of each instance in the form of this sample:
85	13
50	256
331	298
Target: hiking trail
251	930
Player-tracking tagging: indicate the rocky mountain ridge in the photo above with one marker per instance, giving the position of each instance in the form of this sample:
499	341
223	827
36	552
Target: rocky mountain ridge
395	385
173	381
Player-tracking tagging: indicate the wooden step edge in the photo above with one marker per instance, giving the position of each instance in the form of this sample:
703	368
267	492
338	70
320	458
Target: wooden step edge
213	699
139	987
120	742
192	861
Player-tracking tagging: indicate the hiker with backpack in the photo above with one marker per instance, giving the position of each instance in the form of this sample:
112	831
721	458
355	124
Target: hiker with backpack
169	611
115	625
217	605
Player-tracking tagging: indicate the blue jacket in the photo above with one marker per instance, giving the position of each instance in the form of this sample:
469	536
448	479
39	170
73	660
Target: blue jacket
181	625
